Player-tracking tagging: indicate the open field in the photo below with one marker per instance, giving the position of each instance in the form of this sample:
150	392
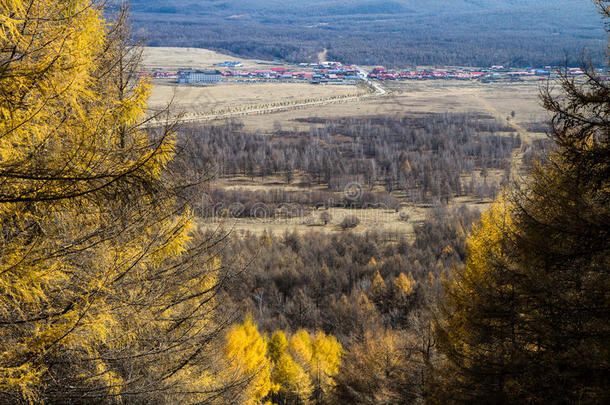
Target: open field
392	221
370	219
169	58
235	96
498	99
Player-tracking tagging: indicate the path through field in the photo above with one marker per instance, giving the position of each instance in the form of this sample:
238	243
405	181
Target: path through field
526	136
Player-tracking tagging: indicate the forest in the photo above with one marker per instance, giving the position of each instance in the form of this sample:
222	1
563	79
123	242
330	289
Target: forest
397	33
115	290
428	158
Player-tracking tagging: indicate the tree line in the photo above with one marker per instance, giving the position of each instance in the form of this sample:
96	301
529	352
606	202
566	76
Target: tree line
440	34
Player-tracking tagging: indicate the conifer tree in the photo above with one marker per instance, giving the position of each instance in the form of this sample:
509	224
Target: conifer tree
294	383
527	319
320	356
107	291
378	290
246	353
404	285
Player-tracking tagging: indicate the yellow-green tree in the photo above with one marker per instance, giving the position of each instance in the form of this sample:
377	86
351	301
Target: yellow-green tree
246	354
481	297
378	289
293	382
404	285
320	356
106	293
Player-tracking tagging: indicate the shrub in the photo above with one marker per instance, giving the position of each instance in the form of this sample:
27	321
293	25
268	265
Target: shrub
404	216
325	217
349	222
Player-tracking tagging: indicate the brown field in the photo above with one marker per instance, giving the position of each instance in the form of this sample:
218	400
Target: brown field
230	96
370	220
498	99
379	220
168	58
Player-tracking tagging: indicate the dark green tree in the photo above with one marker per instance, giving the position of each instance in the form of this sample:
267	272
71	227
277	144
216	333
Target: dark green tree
527	319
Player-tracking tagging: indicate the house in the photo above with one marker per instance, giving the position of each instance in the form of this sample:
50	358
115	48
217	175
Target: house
200	76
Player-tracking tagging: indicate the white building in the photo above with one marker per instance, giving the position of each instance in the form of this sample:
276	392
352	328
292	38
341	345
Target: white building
200	76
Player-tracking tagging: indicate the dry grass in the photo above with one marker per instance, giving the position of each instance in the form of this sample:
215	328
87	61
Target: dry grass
498	99
229	96
168	58
370	220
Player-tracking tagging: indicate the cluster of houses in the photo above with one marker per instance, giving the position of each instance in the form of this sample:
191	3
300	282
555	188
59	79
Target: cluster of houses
493	73
200	76
380	73
323	73
337	73
158	74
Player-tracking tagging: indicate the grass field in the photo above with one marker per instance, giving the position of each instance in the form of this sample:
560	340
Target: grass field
401	221
168	58
498	99
228	96
370	219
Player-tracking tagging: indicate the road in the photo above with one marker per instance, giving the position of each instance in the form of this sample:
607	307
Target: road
380	91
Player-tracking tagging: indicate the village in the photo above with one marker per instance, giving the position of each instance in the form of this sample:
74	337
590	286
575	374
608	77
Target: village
329	73
322	73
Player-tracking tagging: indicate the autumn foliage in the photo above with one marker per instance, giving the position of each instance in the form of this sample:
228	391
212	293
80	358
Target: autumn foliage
101	270
526	320
297	369
110	293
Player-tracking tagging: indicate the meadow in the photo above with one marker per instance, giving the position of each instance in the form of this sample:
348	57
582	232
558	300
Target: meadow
233	96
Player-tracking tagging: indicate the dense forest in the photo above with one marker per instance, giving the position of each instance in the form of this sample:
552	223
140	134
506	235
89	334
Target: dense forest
113	290
395	33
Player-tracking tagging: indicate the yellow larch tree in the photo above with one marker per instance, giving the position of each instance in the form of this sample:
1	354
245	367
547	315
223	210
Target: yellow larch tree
378	289
481	296
246	356
293	382
102	273
320	355
404	285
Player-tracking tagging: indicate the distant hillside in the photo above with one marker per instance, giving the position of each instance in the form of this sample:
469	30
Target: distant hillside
392	32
